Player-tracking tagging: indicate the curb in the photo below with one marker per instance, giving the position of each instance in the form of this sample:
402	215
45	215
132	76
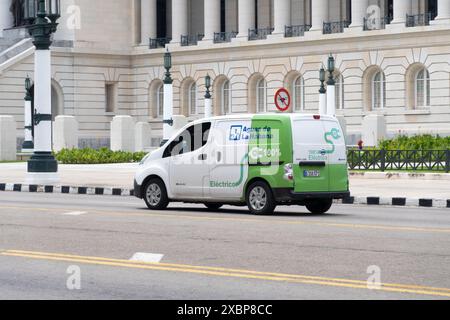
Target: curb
124	192
99	191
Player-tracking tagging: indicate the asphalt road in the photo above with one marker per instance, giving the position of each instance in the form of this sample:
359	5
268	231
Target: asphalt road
47	241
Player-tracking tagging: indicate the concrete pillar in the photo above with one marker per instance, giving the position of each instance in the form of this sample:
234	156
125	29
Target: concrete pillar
208	108
443	16
6	18
282	15
212	18
331	100
247	15
148	20
374	130
7	138
401	9
179	19
179	122
319	14
122	134
143	136
65	133
359	10
168	111
322	103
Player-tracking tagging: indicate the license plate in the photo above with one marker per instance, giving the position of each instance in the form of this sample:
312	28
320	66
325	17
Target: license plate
311	173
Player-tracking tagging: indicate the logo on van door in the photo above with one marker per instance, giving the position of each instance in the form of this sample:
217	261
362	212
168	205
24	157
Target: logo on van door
330	137
239	132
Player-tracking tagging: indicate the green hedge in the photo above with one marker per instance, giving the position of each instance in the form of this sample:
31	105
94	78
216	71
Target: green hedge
419	142
91	156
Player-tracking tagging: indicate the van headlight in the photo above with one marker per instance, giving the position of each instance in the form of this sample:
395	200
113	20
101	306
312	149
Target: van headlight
289	172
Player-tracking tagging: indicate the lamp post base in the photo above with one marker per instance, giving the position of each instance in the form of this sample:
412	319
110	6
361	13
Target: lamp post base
43	179
28	147
42	162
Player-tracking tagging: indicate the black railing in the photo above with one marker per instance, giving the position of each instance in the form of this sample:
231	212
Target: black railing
222	37
376	23
414	160
259	34
296	31
159	42
418	20
335	27
188	40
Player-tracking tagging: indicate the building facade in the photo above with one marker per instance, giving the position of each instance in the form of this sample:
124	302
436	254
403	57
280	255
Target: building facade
392	59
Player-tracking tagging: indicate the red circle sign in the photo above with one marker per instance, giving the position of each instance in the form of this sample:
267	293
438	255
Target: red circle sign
282	100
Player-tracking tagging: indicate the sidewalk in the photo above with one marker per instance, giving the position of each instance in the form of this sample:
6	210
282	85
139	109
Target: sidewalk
121	176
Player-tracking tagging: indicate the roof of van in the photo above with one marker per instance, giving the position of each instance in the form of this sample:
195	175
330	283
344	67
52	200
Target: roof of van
275	115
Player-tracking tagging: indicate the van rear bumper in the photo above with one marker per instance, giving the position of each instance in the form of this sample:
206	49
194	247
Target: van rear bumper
289	195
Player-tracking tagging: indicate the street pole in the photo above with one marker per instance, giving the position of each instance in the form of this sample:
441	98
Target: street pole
28	146
322	93
331	88
168	99
208	101
43	167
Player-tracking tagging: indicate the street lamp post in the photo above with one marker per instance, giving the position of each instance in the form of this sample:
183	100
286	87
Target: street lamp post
42	167
331	88
322	92
28	146
168	99
208	101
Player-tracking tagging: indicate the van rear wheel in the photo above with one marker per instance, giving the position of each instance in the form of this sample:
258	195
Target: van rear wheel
319	206
260	199
155	195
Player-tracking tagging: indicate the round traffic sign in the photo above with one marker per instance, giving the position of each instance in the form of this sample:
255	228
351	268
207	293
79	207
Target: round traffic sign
282	100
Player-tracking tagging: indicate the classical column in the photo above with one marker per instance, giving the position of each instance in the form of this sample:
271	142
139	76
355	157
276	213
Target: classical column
6	17
282	15
148	20
319	14
212	18
401	9
247	17
359	10
179	19
443	16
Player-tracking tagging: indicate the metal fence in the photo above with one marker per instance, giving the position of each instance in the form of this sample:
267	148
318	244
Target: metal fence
296	31
259	34
376	23
191	40
159	42
335	27
223	37
413	160
418	20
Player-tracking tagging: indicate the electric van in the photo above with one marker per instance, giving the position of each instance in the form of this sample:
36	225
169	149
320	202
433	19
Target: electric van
261	161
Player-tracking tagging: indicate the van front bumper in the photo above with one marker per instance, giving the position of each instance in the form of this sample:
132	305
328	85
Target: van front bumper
289	195
138	192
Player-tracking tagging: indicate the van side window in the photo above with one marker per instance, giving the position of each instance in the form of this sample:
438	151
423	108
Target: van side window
191	139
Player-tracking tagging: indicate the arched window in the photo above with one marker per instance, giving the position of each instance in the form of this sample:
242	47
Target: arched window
339	87
160	101
226	98
261	96
298	94
192	99
422	85
378	90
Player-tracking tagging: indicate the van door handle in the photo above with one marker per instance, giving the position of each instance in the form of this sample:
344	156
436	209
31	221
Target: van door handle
312	164
203	157
219	156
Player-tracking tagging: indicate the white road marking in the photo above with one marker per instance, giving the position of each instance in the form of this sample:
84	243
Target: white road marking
75	213
147	257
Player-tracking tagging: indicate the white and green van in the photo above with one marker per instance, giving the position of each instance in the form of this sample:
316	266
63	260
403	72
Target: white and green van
256	160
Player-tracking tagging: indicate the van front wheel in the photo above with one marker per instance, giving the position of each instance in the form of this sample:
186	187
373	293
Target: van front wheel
319	206
155	195
260	199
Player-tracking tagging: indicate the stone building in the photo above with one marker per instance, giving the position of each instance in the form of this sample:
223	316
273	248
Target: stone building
392	58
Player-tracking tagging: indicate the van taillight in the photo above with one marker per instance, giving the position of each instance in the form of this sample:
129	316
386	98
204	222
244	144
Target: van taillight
317	117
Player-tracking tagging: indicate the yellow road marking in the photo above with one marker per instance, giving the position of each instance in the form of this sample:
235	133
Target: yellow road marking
278	221
227	272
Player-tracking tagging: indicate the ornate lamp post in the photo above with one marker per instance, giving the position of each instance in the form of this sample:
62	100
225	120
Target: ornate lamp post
42	167
168	99
28	145
331	87
208	101
322	92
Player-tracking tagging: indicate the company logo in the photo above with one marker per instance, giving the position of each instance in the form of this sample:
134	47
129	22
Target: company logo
335	134
239	132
